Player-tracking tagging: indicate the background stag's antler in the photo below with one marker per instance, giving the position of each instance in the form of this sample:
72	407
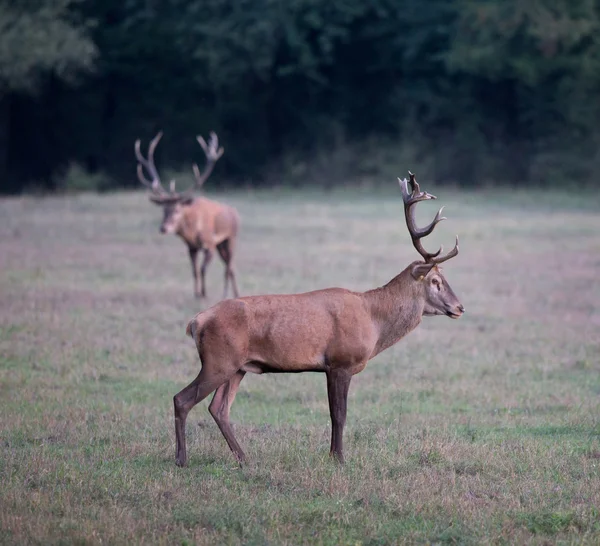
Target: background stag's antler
158	193
213	152
416	234
154	185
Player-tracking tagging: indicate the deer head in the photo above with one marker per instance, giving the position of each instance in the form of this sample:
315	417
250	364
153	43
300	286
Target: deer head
173	202
438	296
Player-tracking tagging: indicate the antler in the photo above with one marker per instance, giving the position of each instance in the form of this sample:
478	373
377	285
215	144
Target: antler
154	184
213	152
159	194
416	234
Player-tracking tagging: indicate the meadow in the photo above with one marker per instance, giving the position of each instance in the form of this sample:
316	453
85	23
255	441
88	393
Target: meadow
483	430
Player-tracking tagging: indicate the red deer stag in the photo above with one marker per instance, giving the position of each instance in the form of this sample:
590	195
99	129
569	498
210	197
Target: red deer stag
334	331
203	224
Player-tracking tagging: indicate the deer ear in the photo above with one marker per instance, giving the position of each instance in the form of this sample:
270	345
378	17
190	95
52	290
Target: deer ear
420	270
156	200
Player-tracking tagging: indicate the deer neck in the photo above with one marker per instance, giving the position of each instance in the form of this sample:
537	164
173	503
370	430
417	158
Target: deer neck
396	309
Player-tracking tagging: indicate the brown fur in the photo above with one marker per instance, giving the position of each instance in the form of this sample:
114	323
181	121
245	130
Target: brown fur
205	225
334	331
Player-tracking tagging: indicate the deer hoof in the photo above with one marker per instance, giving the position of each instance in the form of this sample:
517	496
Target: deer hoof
337	457
241	461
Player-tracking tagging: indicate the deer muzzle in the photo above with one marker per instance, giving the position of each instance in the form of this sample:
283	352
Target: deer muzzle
167	228
455	312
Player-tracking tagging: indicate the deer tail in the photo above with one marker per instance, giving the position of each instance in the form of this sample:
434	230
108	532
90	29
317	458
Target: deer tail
197	323
190	330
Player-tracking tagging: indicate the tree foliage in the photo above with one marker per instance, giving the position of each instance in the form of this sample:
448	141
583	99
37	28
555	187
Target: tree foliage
470	91
41	38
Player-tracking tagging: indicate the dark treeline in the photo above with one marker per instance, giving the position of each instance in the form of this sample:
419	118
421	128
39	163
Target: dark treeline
469	91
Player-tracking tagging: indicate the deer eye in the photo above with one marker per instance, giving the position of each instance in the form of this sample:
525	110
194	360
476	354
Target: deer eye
436	283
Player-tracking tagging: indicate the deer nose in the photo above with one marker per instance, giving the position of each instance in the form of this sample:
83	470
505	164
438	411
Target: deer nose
461	308
163	229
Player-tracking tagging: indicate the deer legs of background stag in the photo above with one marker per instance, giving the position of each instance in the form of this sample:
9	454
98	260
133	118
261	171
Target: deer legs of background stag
207	258
338	384
226	252
194	259
199	275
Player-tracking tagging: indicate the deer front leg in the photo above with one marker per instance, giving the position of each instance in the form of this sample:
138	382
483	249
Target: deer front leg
194	259
338	383
208	254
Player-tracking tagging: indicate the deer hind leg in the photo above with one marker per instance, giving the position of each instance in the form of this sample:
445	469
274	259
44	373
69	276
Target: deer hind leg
219	408
185	400
194	259
208	255
226	252
338	384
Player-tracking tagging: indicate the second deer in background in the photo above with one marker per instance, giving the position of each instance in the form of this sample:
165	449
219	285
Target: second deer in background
204	225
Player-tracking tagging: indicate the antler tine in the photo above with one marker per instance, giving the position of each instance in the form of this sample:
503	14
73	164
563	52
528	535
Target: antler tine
416	233
450	254
153	144
189	190
413	183
213	152
142	178
196	170
155	184
212	149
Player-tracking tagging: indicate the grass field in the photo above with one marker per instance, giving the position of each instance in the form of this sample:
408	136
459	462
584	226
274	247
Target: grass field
481	430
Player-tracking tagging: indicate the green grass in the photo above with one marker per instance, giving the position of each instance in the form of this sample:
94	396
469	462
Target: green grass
481	430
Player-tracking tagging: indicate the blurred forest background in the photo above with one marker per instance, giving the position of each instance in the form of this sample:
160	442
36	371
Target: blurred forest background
471	92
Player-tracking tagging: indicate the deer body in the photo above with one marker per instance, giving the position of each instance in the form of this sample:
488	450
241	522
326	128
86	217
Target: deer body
336	326
285	342
204	225
335	331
